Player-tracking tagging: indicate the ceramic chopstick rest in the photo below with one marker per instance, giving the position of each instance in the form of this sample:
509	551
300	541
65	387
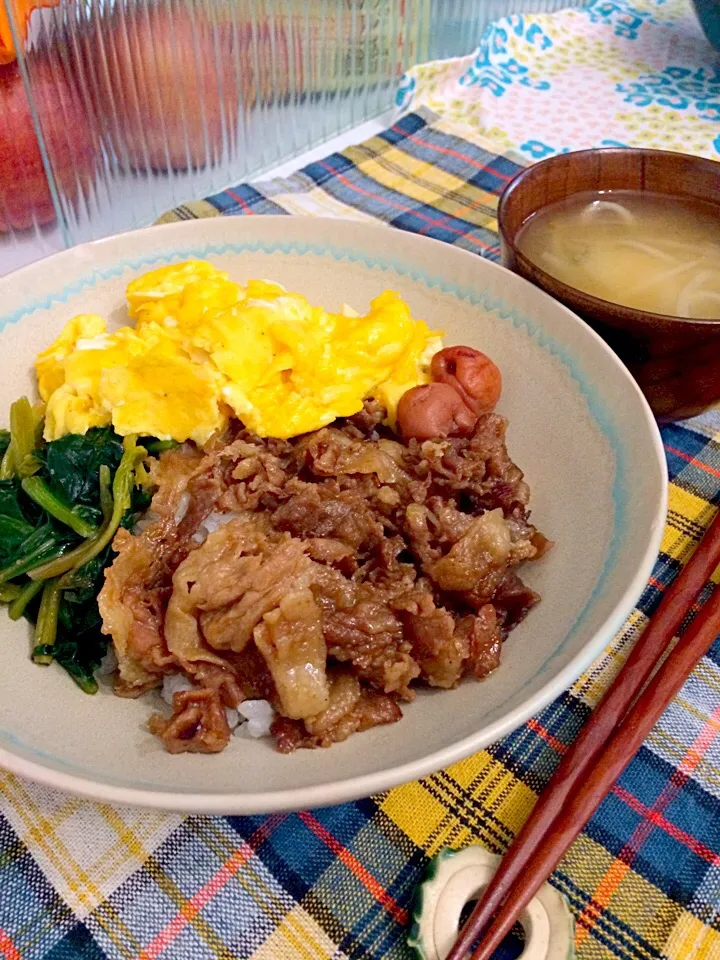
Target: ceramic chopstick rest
455	878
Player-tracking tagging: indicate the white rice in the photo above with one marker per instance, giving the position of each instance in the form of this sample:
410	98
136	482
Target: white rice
256	717
174	683
108	664
233	717
182	507
211	523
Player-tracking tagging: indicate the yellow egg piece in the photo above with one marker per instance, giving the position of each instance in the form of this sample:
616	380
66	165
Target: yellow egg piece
72	412
240	348
264	290
204	347
169	281
49	364
79	404
201	301
166	397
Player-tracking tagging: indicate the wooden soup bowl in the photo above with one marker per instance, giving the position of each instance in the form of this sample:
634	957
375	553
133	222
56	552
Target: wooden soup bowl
675	361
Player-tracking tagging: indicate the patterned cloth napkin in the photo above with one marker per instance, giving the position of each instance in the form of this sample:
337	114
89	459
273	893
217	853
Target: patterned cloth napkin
616	73
87	880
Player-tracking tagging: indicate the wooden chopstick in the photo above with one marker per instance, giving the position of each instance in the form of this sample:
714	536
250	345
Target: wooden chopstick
520	872
618	752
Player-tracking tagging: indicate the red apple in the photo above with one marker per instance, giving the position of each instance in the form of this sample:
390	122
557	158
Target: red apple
24	191
164	86
270	60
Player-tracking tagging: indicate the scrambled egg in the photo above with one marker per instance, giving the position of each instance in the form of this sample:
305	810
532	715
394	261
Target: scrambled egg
204	348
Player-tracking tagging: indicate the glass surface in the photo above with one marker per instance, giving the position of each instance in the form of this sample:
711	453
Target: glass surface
137	105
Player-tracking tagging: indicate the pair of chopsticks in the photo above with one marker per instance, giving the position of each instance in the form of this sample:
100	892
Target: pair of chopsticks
605	746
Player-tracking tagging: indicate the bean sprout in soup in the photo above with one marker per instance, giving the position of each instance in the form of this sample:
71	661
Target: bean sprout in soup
642	250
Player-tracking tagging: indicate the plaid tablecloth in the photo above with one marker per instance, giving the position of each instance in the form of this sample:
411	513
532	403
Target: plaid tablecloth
80	879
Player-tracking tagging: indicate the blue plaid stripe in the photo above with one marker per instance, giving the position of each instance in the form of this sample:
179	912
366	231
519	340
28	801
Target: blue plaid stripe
243	199
530	757
406	126
341	179
77	944
32	915
454	155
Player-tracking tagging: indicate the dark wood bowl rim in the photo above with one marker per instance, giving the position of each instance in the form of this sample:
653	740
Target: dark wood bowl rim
596	303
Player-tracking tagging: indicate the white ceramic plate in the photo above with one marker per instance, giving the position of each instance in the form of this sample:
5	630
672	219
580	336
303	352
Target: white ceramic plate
579	428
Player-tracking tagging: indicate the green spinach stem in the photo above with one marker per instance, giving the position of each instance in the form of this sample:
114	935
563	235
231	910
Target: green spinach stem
40	492
123	482
24	596
47	622
37	557
9	592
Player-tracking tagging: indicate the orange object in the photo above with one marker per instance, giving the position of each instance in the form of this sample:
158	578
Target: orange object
22	10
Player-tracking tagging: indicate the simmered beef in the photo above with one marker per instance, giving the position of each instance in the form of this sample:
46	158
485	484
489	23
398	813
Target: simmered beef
329	575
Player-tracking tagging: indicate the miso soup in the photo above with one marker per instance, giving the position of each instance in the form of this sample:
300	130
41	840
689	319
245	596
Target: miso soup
642	250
